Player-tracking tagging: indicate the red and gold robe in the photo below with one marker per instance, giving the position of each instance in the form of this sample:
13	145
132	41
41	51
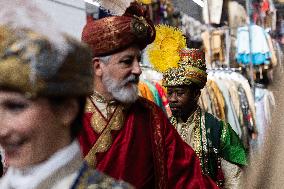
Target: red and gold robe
140	146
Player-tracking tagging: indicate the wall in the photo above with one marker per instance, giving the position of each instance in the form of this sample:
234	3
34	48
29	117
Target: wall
68	14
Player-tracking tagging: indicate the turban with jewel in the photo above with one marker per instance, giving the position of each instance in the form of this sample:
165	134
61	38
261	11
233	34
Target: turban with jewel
115	33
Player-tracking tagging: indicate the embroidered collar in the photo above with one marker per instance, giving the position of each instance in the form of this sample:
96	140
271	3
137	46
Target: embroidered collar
175	120
98	97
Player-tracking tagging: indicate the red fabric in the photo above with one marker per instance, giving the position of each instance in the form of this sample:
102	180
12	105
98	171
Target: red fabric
148	152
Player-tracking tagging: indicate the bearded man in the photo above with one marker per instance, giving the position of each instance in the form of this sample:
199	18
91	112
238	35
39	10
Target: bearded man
126	136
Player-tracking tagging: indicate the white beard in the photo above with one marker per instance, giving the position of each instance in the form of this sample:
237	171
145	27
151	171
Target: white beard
119	91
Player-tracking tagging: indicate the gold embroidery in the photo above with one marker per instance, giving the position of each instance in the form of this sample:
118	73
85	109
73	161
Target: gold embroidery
98	97
98	123
184	129
199	144
104	141
89	106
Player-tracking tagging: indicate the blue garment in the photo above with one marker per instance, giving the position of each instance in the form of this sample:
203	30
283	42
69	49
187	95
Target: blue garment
259	46
257	58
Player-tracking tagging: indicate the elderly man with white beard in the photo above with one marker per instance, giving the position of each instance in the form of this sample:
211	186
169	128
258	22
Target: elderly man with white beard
126	136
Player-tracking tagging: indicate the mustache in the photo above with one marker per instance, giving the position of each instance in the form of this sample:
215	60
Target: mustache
131	79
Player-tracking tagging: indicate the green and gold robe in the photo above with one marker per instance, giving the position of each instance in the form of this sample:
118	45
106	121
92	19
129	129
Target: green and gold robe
219	148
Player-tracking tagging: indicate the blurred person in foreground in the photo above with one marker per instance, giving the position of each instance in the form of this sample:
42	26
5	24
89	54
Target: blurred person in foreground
126	136
40	112
266	169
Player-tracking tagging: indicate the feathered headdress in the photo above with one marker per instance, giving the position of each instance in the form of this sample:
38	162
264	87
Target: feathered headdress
163	53
180	66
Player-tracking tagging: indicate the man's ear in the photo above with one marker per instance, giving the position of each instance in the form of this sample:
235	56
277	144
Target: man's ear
97	65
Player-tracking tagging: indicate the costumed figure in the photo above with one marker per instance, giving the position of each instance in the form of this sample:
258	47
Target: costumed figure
41	113
219	148
126	136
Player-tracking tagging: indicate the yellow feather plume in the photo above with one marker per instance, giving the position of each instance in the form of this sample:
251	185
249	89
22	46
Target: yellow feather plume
163	53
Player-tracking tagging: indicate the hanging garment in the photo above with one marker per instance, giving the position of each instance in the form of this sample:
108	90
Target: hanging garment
246	118
220	108
231	114
215	11
205	101
216	46
259	46
192	27
237	77
238	103
264	102
237	16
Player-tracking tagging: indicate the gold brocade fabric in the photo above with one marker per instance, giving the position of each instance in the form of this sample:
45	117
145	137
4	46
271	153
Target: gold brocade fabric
190	131
103	126
193	132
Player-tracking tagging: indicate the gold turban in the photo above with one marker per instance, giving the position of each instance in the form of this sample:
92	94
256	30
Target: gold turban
191	69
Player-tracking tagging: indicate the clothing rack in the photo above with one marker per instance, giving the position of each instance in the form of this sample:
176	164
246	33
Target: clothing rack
226	29
228	69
